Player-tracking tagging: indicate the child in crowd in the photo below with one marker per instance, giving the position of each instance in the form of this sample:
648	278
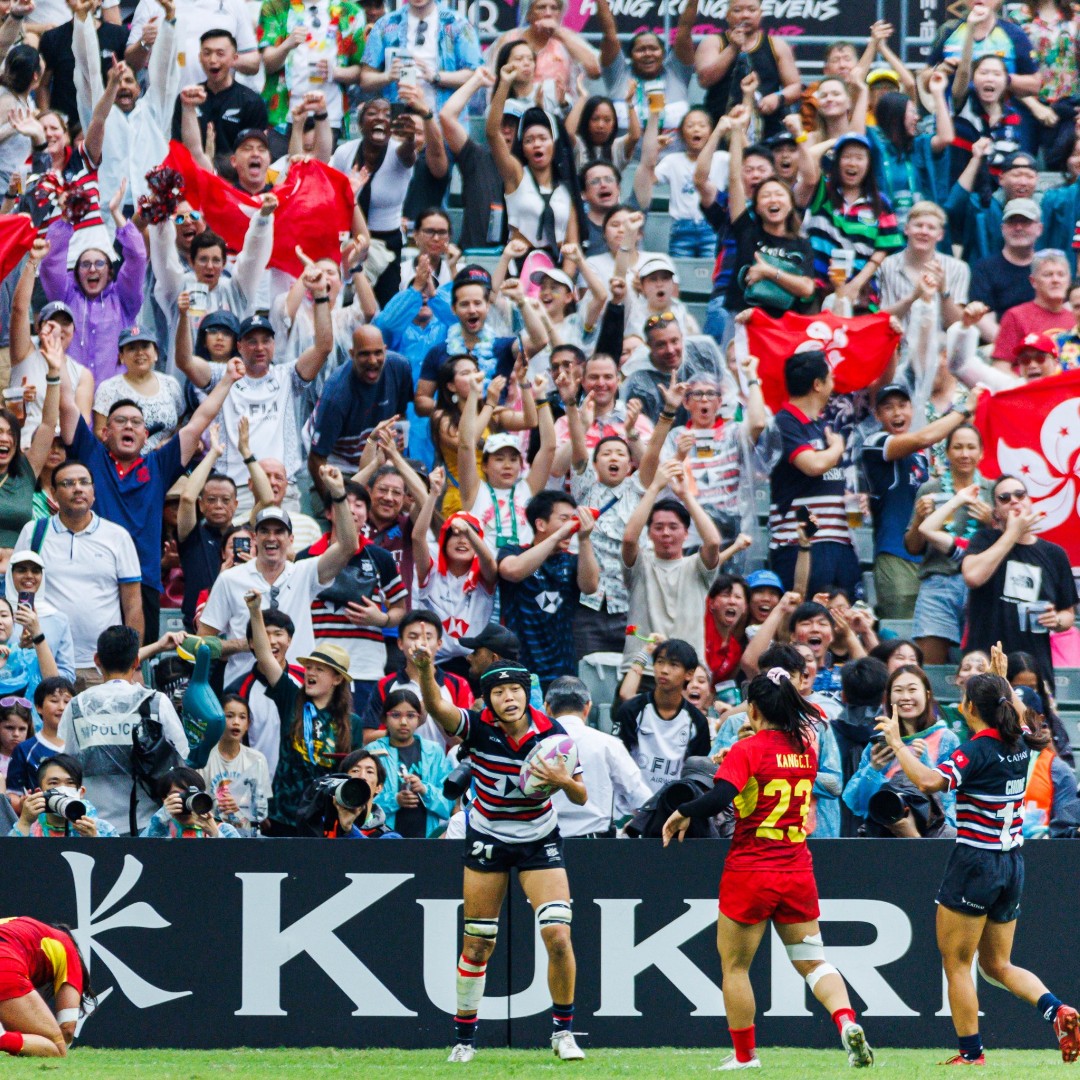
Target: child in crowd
237	775
50	699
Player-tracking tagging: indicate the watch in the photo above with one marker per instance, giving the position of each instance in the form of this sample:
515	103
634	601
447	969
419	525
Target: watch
436	79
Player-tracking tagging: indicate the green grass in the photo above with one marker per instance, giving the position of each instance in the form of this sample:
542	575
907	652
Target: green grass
646	1064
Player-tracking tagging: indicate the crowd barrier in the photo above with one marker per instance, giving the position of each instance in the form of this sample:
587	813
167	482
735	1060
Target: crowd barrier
354	944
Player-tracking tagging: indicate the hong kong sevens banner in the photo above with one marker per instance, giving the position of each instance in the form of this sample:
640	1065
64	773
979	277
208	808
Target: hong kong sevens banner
1033	432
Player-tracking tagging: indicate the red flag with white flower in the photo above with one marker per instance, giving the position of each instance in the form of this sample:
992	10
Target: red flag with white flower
17	236
858	349
1033	432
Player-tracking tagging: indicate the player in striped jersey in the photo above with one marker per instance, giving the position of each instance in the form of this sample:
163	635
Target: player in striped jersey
506	829
979	898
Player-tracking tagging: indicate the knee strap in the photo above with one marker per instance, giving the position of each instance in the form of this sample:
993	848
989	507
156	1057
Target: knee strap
482	928
819	973
810	948
554	913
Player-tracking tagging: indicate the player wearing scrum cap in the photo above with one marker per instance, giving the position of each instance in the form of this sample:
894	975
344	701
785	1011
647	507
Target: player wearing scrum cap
507	828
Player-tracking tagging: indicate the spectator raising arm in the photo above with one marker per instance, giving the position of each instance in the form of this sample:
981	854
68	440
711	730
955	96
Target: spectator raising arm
192	432
447	716
195	368
422	561
640	516
980	568
455	133
337	555
258	481
268	667
187	515
774	626
911	442
703	185
314	356
519	567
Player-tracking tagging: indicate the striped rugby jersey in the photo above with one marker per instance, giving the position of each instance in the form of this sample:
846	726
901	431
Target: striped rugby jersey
500	808
989	779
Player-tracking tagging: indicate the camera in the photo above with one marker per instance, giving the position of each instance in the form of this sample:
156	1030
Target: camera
458	782
887	806
197	802
349	792
62	805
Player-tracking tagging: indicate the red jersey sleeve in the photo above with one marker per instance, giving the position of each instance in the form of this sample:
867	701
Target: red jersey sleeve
739	764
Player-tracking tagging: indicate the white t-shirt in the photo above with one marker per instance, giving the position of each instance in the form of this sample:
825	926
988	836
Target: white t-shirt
388	184
57	12
293	590
461	613
495	516
193	19
661	748
34	369
428	50
677	171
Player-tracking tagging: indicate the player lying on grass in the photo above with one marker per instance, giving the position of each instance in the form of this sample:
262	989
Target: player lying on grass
768	874
509	828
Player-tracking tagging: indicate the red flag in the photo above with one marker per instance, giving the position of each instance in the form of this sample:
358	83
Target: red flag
859	349
17	235
1033	432
315	206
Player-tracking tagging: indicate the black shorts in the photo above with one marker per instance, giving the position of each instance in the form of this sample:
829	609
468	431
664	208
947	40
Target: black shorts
981	882
491	856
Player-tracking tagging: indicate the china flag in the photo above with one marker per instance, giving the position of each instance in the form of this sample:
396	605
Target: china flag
17	235
858	349
1033	432
315	206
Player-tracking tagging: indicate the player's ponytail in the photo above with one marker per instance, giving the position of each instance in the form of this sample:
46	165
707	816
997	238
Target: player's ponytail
990	696
775	696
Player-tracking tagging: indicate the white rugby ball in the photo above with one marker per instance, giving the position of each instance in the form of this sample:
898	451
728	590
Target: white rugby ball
552	749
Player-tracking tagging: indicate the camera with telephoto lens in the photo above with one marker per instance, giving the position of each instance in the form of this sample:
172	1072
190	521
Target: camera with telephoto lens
349	792
60	804
197	802
459	781
887	806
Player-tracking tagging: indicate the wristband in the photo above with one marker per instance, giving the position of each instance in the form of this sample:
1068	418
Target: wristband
753	382
641	658
340	498
322	299
320	116
39	149
357	268
250	459
37	641
665	415
423	116
801	137
67	1016
52	380
542	402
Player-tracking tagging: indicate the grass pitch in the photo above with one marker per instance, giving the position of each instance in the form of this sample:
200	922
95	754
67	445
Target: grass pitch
647	1064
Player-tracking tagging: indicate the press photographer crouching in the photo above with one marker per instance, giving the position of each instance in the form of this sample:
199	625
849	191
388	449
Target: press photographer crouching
58	807
899	809
333	804
187	810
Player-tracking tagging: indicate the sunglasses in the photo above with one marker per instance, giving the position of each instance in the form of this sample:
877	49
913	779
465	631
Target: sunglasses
192	215
421	31
8	702
1006	497
659	320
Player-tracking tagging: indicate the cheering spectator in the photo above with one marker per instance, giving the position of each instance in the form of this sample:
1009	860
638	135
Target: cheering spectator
51	697
1021	587
237	774
1047	312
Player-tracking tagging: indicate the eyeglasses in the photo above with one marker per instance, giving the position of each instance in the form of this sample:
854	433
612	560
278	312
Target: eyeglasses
658	320
434	232
7	702
703	395
596	181
75	483
275	590
192	215
1006	497
127	421
93	264
421	31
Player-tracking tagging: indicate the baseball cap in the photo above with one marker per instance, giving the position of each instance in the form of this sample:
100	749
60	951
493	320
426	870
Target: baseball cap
1043	343
553	272
252	323
219	320
1025	208
780	138
893	388
473	274
501	440
1018	160
882	75
135	334
27	555
333	656
1027	694
51	311
654	264
253	133
498	639
852	137
273	513
764	579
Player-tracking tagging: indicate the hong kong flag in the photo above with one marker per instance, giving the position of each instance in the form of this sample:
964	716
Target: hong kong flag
1033	432
858	349
17	234
315	206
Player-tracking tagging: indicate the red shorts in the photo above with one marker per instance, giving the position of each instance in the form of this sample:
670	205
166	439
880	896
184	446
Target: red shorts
750	897
14	981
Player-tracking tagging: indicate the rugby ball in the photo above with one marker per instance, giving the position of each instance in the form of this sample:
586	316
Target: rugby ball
552	749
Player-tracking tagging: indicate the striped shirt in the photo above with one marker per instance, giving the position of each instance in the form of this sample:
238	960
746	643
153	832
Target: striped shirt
898	279
500	808
989	779
824	495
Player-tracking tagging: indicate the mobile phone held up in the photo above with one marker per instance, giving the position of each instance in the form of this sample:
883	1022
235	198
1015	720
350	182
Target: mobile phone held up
802	516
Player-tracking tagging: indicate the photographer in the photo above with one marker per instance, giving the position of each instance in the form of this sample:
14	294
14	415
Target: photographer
43	814
899	809
323	812
184	814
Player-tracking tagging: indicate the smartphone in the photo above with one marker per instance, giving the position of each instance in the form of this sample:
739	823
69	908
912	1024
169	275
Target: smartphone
397	109
241	544
26	598
802	516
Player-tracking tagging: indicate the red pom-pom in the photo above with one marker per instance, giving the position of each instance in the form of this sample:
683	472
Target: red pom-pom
77	206
166	190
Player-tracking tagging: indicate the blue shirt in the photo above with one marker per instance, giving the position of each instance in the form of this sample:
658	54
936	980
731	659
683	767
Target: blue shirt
135	499
502	351
23	767
350	407
893	485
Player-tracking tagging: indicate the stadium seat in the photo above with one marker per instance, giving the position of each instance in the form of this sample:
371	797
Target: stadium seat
900	627
1071	722
863	539
599	671
170	620
1067	688
695	278
943	682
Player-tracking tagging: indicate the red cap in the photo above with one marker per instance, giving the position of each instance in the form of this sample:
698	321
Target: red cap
1039	342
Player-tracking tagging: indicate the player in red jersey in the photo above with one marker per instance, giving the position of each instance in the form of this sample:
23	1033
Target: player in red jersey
34	955
768	875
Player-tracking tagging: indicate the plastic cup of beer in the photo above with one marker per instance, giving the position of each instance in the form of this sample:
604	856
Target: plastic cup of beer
656	99
853	509
15	403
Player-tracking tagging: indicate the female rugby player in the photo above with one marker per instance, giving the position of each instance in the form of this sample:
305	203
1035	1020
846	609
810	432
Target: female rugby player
768	874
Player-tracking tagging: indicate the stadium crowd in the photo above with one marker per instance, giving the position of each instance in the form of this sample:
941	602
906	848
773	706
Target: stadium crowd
391	355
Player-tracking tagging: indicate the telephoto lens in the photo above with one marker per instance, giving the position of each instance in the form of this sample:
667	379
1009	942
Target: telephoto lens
66	806
887	806
197	802
350	792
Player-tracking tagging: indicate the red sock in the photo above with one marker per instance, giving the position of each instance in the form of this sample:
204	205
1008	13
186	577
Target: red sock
11	1042
743	1041
842	1017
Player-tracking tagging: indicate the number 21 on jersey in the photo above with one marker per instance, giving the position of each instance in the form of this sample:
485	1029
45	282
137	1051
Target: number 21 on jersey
783	791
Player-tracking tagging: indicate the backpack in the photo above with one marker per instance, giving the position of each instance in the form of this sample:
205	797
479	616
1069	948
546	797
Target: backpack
152	756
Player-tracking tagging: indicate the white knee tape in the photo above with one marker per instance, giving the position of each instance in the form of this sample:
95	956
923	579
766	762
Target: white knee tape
818	974
810	948
992	982
470	985
67	1016
482	928
554	913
